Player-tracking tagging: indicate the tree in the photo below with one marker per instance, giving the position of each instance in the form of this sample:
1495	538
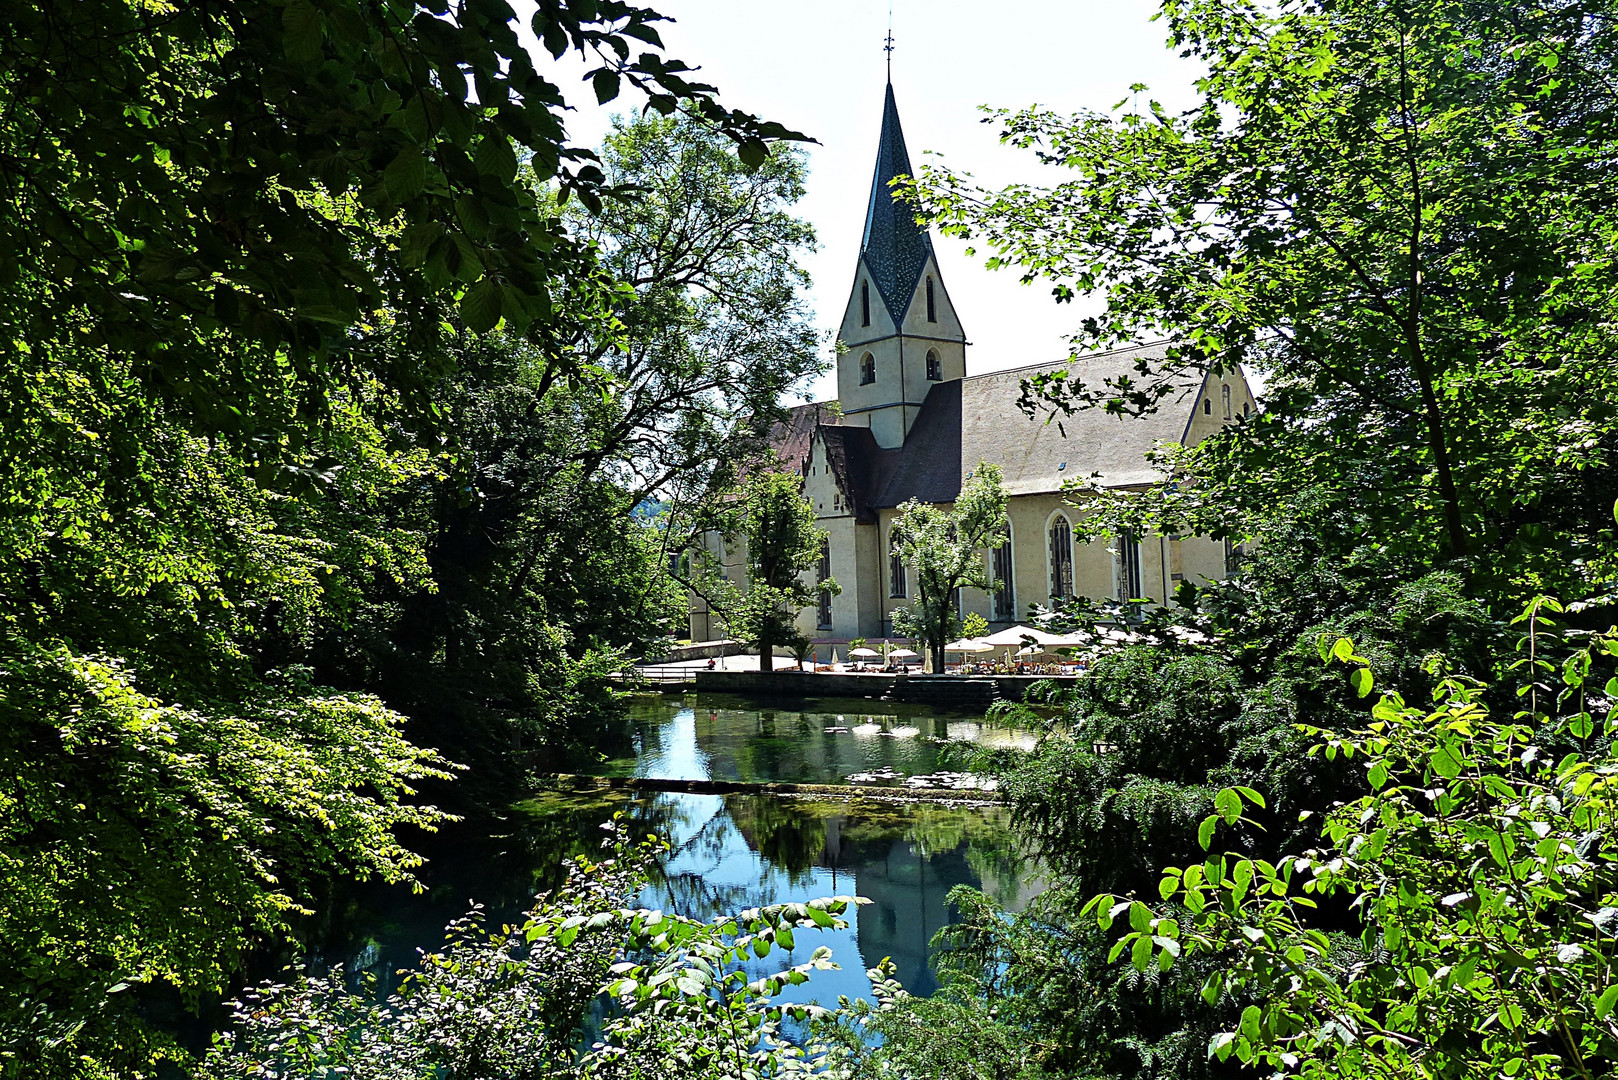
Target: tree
783	544
251	254
1399	213
945	547
147	849
1476	862
712	331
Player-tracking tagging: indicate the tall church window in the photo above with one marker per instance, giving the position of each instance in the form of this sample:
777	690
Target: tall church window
1129	569
1061	557
896	574
1207	406
1226	390
865	303
935	369
1005	590
932	312
822	572
867	369
1247	408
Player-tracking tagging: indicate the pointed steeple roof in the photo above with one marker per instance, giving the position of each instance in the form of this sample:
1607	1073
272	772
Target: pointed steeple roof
895	247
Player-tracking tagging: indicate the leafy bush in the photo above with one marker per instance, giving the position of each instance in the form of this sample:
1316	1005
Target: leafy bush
671	996
1479	863
146	848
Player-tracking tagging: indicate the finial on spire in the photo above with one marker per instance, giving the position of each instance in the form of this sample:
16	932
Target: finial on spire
887	45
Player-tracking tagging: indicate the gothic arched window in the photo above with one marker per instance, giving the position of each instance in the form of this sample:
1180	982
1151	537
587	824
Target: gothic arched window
1207	406
867	369
1061	557
823	572
1226	389
932	312
865	303
1131	585
1005	590
935	369
896	572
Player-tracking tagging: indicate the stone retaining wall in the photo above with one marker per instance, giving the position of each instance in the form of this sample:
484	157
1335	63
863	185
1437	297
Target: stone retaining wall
942	690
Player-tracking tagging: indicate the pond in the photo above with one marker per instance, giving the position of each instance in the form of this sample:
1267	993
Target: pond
736	851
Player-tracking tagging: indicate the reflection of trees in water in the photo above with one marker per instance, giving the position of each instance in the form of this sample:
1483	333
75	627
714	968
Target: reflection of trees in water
789	835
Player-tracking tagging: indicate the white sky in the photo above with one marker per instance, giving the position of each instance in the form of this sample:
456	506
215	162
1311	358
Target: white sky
818	67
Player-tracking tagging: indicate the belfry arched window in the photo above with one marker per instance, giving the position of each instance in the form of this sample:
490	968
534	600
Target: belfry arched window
932	311
867	369
935	368
1061	537
865	303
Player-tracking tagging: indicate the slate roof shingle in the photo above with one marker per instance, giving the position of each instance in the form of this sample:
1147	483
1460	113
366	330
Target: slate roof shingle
965	421
894	246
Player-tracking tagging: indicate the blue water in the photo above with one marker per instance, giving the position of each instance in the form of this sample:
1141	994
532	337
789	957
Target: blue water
731	852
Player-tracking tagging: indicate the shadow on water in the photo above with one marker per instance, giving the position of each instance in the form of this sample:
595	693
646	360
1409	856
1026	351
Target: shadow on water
731	851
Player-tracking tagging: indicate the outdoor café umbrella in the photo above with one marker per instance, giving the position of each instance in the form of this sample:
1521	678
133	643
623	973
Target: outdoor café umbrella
862	653
968	645
1017	635
900	654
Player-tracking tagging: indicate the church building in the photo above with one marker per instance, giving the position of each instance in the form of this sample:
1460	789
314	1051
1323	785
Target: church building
910	423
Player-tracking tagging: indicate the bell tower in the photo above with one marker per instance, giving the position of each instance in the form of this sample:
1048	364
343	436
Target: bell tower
900	329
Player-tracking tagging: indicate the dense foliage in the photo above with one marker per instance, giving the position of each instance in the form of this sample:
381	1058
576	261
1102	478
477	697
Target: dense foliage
515	1002
318	405
1477	863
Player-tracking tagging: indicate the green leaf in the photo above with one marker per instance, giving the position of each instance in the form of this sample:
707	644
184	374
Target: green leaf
303	27
480	307
405	176
1446	762
1205	831
495	157
1605	1003
606	85
1360	680
1141	954
752	152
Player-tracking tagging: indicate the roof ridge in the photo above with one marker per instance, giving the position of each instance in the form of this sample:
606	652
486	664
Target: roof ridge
1061	363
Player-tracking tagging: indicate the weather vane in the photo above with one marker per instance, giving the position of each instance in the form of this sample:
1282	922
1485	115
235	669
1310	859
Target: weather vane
887	46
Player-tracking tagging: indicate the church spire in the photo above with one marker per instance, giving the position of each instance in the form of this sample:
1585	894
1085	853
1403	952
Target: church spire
895	248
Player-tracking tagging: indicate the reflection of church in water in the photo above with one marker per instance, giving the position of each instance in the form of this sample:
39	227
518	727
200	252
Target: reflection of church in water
889	854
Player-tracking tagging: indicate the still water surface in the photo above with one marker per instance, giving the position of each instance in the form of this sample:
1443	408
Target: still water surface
736	851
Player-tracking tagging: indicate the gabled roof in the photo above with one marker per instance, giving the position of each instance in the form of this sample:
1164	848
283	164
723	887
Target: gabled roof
1091	443
966	421
894	248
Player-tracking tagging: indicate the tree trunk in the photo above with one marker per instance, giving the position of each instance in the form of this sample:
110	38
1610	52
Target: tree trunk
938	656
766	652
